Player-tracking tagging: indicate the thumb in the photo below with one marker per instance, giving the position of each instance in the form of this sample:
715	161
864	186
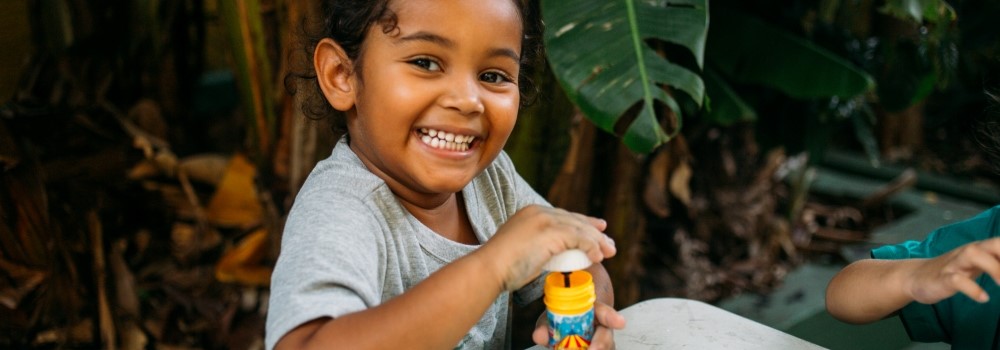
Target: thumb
541	334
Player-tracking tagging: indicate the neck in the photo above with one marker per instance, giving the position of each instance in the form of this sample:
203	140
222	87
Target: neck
450	219
443	213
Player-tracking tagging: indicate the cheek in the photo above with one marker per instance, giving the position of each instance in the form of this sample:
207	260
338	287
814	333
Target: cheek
506	112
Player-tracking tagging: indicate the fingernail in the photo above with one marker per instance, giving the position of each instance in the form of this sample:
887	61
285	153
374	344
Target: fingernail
609	240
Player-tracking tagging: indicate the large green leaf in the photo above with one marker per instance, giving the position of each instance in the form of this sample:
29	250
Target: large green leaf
747	50
600	54
726	107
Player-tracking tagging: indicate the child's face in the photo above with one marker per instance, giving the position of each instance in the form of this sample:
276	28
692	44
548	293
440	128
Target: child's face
448	73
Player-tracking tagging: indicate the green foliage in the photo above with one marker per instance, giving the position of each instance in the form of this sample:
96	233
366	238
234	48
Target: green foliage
933	11
747	50
604	56
246	31
600	53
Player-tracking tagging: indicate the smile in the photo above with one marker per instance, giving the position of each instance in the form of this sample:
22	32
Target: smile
446	140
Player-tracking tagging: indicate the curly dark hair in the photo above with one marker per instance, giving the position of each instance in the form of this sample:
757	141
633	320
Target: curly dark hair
988	132
348	21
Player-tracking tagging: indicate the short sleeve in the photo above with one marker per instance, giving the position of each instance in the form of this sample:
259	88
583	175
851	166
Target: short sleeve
328	265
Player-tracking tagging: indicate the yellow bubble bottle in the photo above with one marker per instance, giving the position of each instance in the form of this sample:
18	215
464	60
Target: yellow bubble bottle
569	305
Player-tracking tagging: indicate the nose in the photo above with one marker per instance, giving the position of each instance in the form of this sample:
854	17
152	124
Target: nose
464	96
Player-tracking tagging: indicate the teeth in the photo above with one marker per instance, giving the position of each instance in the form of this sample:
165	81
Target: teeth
446	140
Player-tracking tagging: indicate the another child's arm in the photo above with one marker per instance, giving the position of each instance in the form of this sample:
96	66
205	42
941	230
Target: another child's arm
440	310
870	289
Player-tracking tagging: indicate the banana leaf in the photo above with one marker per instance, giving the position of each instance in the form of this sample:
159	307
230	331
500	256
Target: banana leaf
747	50
726	106
599	51
244	25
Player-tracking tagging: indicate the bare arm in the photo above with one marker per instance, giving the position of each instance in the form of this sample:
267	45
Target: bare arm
429	314
868	290
432	315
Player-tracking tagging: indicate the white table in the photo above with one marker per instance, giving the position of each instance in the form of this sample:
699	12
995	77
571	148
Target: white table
671	323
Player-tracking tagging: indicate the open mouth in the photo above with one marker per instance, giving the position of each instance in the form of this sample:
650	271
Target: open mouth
446	140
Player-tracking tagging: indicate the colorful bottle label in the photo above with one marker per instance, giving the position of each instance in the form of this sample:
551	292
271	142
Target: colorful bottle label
571	331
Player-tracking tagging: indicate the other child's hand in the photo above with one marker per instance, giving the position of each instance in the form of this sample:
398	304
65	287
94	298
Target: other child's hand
956	271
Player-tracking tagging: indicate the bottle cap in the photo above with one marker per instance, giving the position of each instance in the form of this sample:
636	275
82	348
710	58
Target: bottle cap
576	298
570	260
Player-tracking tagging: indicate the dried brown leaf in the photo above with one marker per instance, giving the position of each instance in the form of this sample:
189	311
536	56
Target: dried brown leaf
680	183
144	169
188	242
173	195
132	337
654	193
235	202
205	168
79	333
147	116
242	263
24	279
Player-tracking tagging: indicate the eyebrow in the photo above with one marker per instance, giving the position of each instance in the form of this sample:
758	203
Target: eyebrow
448	43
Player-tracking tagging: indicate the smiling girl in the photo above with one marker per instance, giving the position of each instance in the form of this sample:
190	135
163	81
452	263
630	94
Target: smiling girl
417	231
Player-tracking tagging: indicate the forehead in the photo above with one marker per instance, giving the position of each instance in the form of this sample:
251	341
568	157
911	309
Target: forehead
488	19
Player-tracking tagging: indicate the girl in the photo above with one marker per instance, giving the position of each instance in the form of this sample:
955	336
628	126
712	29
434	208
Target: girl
945	287
417	229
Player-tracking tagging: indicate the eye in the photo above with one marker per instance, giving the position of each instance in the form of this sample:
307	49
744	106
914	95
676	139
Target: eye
495	77
426	64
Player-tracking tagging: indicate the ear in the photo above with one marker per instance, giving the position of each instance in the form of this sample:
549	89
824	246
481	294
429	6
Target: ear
335	74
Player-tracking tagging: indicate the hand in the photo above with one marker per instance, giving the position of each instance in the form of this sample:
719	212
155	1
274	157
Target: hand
534	234
956	271
606	320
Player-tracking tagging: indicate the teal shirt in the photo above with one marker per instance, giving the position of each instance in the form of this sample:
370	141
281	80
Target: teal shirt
959	320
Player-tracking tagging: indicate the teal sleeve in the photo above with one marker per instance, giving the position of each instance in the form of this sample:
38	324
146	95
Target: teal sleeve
922	321
957	318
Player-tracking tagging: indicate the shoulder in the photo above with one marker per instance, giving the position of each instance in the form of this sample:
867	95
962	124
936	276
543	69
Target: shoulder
977	228
945	238
342	172
339	197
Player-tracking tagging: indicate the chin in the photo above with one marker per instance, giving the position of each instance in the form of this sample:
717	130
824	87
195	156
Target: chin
451	185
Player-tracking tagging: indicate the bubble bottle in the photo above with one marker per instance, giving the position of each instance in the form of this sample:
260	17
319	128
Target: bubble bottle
569	301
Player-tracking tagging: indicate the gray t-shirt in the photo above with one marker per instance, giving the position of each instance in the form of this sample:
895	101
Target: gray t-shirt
349	245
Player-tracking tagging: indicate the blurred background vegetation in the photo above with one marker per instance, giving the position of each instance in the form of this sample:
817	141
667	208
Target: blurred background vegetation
149	149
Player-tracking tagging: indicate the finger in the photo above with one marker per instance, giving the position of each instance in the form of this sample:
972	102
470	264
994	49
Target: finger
983	260
588	239
607	316
608	247
541	334
970	288
598	223
992	243
583	234
604	338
